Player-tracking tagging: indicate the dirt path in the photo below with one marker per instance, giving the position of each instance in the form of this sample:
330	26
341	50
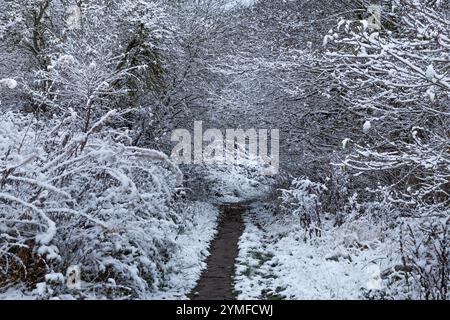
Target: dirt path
216	282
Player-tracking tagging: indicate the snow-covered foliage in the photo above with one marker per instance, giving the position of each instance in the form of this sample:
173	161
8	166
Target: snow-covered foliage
364	258
425	257
237	183
80	187
90	90
396	80
197	228
74	198
9	83
410	254
303	201
232	177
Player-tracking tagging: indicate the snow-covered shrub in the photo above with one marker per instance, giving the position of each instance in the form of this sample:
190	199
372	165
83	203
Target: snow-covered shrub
234	183
72	198
248	178
426	258
336	199
395	82
80	80
303	200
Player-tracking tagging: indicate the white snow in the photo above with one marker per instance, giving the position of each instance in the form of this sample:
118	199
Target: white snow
54	277
345	143
430	73
431	93
186	264
16	294
137	230
190	259
236	183
116	220
367	126
65	61
9	83
280	261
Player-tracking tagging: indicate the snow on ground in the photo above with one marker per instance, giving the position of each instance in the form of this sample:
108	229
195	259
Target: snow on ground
279	261
234	184
16	294
186	265
193	250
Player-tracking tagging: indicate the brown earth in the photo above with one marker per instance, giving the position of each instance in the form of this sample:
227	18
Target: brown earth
216	281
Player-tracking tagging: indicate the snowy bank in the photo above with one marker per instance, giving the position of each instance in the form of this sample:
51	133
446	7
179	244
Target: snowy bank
279	260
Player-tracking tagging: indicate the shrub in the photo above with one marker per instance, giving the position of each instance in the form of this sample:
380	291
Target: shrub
303	200
72	198
425	255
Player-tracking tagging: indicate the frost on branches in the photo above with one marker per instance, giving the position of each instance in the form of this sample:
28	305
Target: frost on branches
303	201
83	199
396	81
8	83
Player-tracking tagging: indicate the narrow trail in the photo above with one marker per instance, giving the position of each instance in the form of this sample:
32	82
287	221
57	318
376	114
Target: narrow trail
216	281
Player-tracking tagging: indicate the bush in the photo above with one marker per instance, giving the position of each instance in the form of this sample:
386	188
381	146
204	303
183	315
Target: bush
72	198
425	255
303	200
